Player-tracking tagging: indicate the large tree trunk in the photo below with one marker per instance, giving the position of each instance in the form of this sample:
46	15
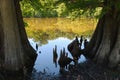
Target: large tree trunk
29	51
104	47
16	54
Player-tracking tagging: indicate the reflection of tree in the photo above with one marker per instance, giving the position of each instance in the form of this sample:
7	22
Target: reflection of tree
40	36
43	29
43	37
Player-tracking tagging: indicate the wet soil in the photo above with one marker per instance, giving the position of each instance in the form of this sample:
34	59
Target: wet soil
84	71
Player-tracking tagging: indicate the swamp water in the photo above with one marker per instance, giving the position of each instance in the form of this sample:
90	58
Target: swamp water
48	32
44	61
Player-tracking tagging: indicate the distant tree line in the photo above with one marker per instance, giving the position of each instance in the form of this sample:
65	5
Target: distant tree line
57	8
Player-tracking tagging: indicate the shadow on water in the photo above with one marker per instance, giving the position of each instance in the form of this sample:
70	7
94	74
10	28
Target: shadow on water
46	62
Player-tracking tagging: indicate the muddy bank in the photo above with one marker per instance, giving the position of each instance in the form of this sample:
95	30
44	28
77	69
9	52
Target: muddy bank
84	71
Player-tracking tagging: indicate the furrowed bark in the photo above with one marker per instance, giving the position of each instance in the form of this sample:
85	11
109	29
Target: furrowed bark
12	44
95	40
30	53
1	42
114	58
104	47
16	54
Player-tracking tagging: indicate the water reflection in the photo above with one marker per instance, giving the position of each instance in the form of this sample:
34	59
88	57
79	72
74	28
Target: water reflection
44	29
44	61
55	56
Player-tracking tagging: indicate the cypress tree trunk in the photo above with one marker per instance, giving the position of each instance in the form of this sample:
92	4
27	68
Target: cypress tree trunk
15	51
104	47
29	55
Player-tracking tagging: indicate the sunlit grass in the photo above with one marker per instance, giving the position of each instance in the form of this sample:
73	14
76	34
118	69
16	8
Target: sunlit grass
55	26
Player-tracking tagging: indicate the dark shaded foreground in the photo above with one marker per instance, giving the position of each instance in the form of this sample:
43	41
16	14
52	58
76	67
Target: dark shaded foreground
84	71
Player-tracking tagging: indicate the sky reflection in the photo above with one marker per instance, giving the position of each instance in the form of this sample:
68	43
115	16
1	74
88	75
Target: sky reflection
44	61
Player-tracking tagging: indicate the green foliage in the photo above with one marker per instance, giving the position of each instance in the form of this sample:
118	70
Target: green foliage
27	9
60	8
26	24
38	8
87	8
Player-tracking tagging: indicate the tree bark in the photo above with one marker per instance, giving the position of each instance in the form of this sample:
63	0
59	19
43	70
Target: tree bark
29	51
104	47
15	51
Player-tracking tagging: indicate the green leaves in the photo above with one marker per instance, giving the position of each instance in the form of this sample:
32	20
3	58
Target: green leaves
38	8
59	8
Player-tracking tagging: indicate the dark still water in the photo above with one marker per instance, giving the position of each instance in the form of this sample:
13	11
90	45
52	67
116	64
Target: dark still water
44	61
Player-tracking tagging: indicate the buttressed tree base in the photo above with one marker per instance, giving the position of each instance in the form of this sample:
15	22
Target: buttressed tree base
104	47
16	54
